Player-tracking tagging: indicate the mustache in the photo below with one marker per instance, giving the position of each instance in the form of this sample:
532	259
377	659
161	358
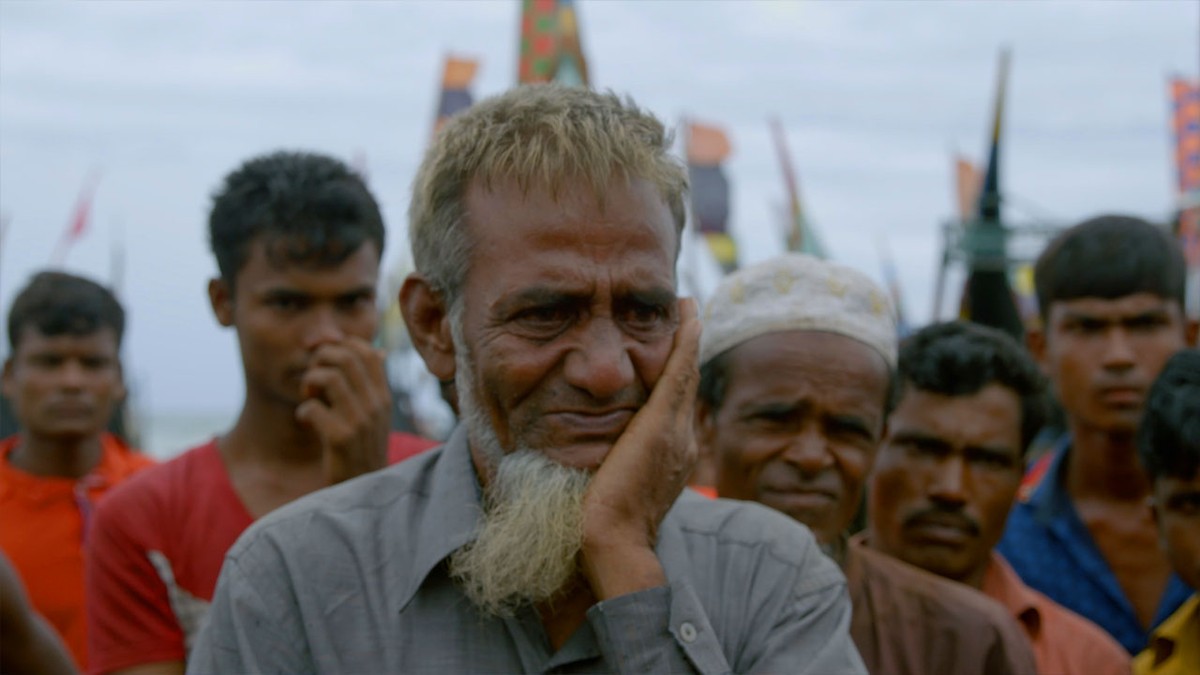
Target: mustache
941	515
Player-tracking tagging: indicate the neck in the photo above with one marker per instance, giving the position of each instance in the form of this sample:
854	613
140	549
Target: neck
72	457
1104	466
566	613
267	432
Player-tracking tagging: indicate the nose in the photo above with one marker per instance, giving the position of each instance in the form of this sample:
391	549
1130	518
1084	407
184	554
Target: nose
72	375
600	363
949	482
809	452
1118	352
323	327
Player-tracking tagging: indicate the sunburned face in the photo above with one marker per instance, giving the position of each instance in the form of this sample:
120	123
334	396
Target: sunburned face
64	386
798	425
568	315
945	479
284	313
1103	355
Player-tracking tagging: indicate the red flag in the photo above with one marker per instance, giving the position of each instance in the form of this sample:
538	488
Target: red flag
80	217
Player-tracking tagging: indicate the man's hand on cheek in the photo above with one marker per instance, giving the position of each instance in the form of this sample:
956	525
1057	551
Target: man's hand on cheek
642	476
348	404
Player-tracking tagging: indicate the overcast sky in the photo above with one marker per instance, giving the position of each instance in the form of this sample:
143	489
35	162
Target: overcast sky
163	99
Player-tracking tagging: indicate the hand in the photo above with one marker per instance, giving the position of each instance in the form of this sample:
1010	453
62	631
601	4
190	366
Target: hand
642	476
348	404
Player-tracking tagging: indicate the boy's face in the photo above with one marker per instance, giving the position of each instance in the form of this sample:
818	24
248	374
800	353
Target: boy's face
283	314
1177	510
1102	355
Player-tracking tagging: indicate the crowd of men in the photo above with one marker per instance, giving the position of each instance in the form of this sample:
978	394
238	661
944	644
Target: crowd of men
858	504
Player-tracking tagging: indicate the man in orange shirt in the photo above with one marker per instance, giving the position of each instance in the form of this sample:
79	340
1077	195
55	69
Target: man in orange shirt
63	378
970	401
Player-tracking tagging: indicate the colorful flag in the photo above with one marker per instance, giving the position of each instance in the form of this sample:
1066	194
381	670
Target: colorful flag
457	76
1185	103
801	236
551	48
707	148
967	183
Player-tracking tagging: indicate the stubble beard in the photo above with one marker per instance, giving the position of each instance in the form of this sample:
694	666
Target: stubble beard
527	547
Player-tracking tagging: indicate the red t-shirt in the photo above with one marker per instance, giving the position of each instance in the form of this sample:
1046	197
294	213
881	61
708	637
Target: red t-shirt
156	550
42	524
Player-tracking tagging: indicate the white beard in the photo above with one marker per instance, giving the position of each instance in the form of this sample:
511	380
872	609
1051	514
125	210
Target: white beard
528	542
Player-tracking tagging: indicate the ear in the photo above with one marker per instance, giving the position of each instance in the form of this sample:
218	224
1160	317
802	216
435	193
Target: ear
704	428
220	296
1191	332
1035	342
6	380
428	320
122	391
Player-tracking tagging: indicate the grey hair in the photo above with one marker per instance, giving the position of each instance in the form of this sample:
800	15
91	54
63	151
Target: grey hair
540	136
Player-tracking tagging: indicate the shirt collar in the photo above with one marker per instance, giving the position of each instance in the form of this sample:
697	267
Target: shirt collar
1049	498
1001	583
450	515
1162	644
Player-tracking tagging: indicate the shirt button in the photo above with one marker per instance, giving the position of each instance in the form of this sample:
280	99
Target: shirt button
687	632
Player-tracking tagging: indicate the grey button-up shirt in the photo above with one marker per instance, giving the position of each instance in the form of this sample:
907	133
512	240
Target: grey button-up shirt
353	579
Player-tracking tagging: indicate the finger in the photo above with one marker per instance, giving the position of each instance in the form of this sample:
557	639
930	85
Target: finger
348	358
331	386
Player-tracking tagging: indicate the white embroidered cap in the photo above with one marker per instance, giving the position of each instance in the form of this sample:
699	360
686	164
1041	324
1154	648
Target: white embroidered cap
798	292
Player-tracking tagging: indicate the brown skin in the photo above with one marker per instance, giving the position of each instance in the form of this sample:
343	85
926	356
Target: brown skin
802	414
582	351
1176	510
63	389
27	642
317	407
1102	356
945	479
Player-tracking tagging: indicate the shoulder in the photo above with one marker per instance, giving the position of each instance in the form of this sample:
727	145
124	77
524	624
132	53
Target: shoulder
891	582
351	511
180	479
1070	631
740	535
401	446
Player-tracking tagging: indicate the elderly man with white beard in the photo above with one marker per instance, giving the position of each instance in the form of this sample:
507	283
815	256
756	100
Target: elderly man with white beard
552	531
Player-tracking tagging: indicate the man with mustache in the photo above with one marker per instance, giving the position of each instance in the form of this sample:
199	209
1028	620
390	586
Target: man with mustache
796	375
64	378
549	533
970	402
297	237
1111	298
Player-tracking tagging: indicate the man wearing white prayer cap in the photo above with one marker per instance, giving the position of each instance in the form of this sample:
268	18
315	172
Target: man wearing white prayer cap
797	360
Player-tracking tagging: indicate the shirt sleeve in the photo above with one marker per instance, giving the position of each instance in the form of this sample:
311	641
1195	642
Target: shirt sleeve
666	630
130	621
252	627
658	630
809	634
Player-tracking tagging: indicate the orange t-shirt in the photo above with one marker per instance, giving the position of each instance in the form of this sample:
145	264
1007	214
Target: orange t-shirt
43	521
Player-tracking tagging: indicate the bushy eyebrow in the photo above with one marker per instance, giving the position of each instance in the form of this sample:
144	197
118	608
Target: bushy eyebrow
1077	316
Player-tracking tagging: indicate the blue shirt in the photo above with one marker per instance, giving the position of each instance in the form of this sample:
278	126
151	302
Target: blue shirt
1052	551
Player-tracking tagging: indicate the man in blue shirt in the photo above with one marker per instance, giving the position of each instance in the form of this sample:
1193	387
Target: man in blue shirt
1111	296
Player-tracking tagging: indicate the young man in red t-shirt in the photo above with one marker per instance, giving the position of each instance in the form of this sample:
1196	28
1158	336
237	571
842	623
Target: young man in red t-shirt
63	378
298	240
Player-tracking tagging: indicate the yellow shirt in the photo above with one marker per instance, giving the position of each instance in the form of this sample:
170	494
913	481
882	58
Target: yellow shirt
1175	647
